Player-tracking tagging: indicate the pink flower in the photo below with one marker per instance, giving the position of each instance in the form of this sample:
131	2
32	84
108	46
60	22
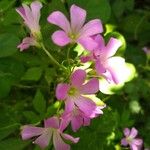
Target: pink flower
27	42
75	31
31	16
146	50
50	131
78	118
105	64
135	143
77	105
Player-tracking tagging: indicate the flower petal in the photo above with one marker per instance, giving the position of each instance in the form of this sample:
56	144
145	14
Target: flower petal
35	7
31	131
21	12
124	142
100	68
88	43
133	133
60	20
85	59
60	38
126	132
112	46
26	43
100	41
91	28
70	138
44	139
59	144
86	105
65	120
117	68
134	147
87	121
77	17
76	122
78	77
61	91
52	122
29	17
91	87
137	141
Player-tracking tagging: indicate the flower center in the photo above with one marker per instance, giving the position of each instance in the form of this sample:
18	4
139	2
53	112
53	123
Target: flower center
129	139
73	36
72	91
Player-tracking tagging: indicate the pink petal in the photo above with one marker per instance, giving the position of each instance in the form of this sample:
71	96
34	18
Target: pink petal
60	38
134	147
61	91
77	17
97	111
76	122
29	17
21	12
88	43
87	121
67	115
59	144
31	131
60	20
91	87
78	77
126	132
65	120
133	133
52	122
137	142
100	68
86	105
69	105
35	7
44	139
26	43
85	59
124	142
112	46
70	138
91	28
117	68
100	41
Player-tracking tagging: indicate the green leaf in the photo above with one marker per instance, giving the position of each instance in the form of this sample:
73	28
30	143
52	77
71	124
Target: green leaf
31	117
39	102
5	131
8	44
95	8
13	144
5	84
32	74
118	8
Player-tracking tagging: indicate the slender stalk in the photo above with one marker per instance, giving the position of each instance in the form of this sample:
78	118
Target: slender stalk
68	58
51	57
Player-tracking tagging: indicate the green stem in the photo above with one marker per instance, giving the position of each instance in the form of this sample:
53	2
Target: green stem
68	58
51	57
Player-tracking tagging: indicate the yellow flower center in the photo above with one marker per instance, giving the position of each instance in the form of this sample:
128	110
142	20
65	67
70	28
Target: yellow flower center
72	91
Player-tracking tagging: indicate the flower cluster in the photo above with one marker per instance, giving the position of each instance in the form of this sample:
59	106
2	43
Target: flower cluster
79	88
131	140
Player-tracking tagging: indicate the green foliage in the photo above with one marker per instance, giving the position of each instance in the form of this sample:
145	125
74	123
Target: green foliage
39	102
8	46
28	79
